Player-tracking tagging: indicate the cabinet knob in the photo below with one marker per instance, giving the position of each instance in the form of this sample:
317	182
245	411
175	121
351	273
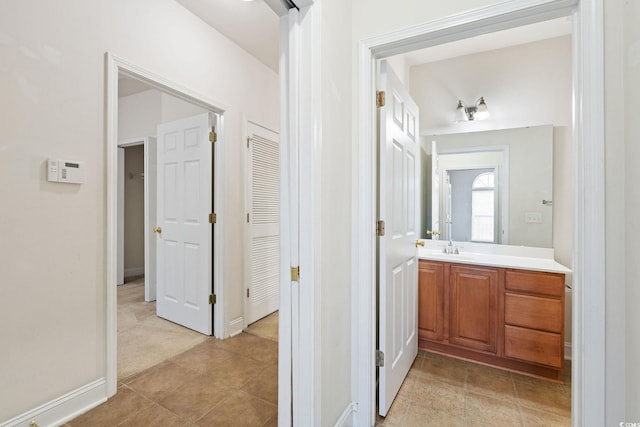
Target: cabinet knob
419	243
157	230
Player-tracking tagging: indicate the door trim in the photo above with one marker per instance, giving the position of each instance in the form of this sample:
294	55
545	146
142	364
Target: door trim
116	66
588	394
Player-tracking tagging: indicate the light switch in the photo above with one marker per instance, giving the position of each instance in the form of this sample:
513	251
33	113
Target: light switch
533	217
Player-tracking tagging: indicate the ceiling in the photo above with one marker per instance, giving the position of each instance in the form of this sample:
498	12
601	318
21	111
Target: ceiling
253	26
498	40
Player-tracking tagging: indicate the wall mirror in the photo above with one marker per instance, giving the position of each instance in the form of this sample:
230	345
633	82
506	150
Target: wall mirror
489	187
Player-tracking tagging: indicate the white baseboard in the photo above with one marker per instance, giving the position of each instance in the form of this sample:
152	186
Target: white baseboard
567	351
64	408
347	419
135	271
235	326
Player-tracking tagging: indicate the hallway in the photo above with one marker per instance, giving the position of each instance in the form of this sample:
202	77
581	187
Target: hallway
171	376
218	382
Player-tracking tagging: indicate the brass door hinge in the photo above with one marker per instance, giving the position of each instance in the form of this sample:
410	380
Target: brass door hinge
213	218
380	99
248	141
213	137
380	228
247	292
212	299
247	218
379	358
295	274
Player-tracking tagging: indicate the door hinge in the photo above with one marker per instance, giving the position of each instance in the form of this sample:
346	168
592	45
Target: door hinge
380	228
212	299
213	137
295	274
247	292
248	141
247	218
213	218
379	358
380	99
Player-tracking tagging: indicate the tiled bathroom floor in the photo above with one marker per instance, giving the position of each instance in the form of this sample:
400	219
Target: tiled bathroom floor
442	391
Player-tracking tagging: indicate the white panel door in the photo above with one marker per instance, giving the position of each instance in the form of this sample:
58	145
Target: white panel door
263	218
184	250
399	208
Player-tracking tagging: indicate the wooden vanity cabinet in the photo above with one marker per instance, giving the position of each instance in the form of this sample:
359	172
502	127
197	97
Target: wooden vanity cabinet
502	317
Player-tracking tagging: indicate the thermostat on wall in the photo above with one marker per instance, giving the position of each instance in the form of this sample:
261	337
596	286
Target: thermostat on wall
66	171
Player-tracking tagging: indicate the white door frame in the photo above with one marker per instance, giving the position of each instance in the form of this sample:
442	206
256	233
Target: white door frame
300	107
116	66
588	392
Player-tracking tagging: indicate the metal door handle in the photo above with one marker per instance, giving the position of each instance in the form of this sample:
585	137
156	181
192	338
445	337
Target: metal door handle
157	230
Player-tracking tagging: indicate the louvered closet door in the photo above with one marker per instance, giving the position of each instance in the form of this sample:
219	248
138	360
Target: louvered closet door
263	222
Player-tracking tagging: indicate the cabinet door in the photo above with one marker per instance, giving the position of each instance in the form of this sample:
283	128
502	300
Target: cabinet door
431	300
473	308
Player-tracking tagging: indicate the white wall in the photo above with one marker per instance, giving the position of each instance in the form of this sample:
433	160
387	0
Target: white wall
622	333
52	80
139	114
335	215
632	196
174	108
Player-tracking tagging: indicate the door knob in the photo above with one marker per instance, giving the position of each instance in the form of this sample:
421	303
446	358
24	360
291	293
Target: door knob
419	243
157	230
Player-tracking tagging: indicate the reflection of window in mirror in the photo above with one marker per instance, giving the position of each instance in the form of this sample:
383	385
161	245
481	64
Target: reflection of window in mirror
483	208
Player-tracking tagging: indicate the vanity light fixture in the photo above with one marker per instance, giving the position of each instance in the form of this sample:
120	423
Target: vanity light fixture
478	112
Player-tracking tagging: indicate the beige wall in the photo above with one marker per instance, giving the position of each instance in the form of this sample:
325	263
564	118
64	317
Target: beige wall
52	80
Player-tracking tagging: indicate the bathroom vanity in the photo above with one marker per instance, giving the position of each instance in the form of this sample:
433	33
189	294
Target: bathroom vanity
499	310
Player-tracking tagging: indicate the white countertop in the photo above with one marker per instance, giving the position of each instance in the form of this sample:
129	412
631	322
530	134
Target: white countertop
522	259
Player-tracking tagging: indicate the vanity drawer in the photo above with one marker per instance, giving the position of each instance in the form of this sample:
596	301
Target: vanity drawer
540	347
551	284
533	312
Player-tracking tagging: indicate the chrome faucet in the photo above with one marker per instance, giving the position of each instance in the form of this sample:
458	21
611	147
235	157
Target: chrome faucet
450	249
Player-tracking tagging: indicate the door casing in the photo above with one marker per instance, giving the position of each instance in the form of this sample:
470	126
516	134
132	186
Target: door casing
588	387
115	67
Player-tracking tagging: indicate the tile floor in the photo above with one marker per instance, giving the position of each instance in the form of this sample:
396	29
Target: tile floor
442	391
229	382
234	383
